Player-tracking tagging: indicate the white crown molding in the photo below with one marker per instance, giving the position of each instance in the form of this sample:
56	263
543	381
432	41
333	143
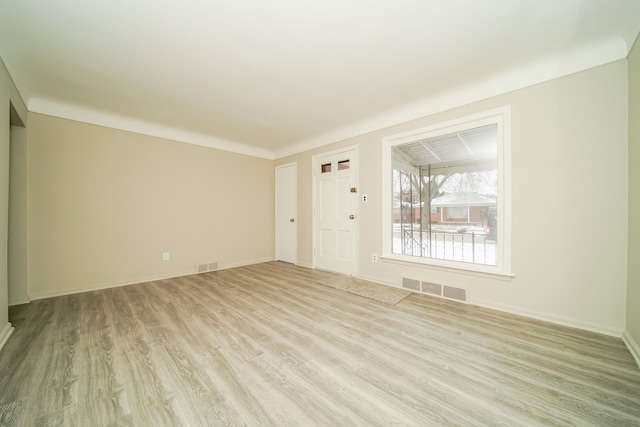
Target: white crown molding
597	54
115	121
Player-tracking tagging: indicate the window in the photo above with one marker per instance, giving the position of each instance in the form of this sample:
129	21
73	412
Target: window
344	165
448	197
457	214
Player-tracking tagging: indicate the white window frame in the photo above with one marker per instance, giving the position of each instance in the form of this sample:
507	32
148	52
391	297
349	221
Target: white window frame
502	118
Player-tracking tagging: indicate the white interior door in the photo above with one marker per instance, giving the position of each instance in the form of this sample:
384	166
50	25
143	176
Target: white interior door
335	204
286	213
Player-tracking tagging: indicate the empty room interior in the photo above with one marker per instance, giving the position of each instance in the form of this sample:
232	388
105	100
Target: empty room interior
320	213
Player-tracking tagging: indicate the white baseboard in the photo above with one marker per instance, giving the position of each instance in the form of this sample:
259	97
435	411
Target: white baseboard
632	345
243	263
19	301
381	282
547	317
5	334
304	264
524	312
100	286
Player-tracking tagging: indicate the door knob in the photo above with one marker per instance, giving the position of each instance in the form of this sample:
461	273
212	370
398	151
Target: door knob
292	220
352	216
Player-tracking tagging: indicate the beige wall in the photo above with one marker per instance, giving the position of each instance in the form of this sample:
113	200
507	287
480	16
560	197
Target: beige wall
569	155
632	333
104	204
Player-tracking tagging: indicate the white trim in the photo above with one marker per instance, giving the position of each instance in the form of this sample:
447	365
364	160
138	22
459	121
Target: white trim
247	262
286	165
475	269
500	116
531	314
548	317
355	158
598	54
5	334
141	280
304	264
632	345
19	301
115	121
107	285
384	282
336	151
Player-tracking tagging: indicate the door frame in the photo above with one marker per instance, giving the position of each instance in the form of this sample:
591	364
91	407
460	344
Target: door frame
295	242
315	179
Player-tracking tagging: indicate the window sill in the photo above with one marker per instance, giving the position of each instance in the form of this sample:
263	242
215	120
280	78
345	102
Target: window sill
469	270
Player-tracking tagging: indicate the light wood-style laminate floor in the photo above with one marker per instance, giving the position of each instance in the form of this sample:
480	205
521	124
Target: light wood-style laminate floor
267	345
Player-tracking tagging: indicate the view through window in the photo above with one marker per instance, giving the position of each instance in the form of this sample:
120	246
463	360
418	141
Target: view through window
446	190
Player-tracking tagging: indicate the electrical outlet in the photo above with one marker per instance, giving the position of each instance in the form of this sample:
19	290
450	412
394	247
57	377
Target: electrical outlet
165	256
374	257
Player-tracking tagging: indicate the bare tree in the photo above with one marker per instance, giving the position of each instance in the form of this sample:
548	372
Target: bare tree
481	182
418	190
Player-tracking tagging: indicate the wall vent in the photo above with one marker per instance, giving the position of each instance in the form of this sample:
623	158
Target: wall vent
432	288
411	284
457	294
435	289
204	268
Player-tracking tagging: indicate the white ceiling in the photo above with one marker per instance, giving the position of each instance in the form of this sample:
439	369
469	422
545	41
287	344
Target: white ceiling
269	78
